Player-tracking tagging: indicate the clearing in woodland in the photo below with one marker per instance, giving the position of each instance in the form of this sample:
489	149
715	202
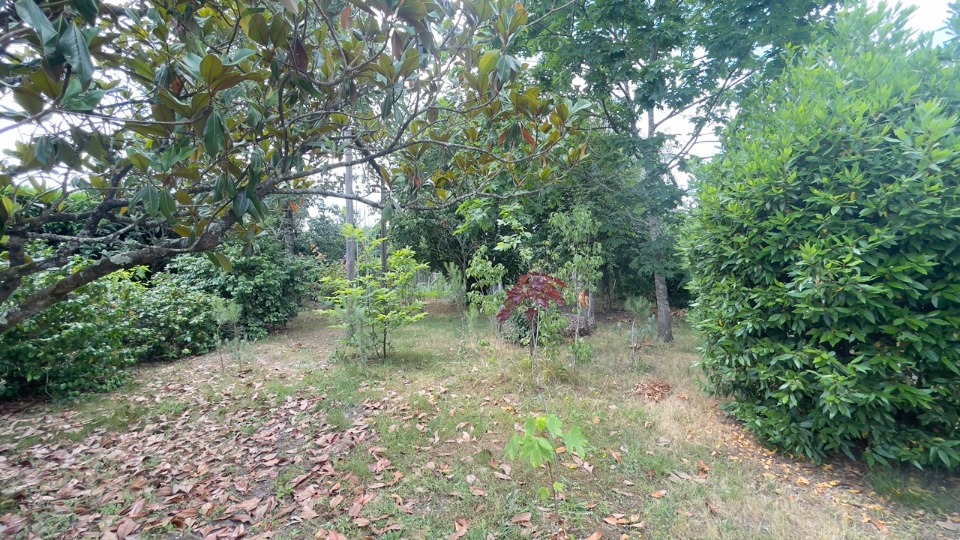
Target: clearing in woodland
284	439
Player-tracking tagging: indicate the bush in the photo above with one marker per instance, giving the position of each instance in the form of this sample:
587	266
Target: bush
78	345
825	250
173	322
269	285
83	344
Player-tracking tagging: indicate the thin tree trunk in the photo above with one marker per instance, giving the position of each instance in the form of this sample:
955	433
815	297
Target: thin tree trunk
351	254
664	322
289	231
383	245
664	318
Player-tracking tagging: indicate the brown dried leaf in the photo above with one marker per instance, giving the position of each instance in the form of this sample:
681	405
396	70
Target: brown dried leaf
521	518
460	526
126	527
881	526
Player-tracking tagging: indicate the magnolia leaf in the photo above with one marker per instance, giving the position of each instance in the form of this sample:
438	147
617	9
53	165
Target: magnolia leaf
8	207
167	205
255	26
220	260
34	16
210	68
214	134
88	9
292	6
31	101
74	48
151	200
488	62
147	129
86	101
44	83
238	56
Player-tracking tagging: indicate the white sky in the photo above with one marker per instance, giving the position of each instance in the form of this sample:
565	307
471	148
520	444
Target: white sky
930	15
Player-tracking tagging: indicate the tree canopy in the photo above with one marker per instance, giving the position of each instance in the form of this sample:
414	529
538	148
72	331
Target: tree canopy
151	131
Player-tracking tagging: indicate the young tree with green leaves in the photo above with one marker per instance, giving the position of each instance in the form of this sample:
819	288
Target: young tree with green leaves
378	299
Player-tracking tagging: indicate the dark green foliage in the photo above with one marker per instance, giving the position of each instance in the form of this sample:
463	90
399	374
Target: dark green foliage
323	237
268	285
825	251
173	322
82	344
76	346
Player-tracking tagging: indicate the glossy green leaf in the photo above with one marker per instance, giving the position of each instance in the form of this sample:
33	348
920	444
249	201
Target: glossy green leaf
214	134
34	16
211	67
74	48
88	9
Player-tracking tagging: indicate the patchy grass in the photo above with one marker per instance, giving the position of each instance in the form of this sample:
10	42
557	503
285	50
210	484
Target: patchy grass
283	440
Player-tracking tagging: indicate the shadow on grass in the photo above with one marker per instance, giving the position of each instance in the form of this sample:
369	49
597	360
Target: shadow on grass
933	490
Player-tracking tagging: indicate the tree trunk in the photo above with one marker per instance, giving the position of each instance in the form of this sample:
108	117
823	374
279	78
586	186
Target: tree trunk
351	254
664	319
289	231
383	246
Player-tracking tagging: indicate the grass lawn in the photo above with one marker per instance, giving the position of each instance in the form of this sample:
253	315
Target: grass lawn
286	439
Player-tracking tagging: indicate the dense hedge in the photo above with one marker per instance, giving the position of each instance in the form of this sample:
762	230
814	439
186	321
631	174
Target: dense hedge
83	344
825	251
173	322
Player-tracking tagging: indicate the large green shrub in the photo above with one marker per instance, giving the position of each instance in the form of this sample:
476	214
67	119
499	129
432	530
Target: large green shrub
268	285
825	250
83	344
172	321
78	345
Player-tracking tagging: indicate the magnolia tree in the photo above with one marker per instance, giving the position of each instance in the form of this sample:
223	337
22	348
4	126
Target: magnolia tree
155	129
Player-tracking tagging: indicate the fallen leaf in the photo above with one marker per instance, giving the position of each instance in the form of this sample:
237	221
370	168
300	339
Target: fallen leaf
595	536
126	527
878	524
659	494
460	526
948	525
307	513
521	518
